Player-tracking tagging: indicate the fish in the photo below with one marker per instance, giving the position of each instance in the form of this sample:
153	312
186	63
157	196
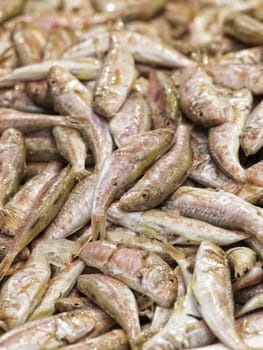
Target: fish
9	9
115	80
76	211
169	226
164	176
73	98
133	118
17	98
59	40
29	41
142	271
184	328
23	290
204	170
252	304
46	206
112	340
213	294
223	148
254	174
245	28
218	208
116	299
241	260
124	166
21	202
237	76
163	101
84	69
49	332
39	93
199	99
41	148
252	277
251	137
58	287
27	122
12	161
72	147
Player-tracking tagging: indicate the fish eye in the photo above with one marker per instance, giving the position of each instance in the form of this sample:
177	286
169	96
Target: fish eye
53	82
144	194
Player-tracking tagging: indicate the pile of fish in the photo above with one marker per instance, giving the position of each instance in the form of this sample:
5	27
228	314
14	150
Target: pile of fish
131	174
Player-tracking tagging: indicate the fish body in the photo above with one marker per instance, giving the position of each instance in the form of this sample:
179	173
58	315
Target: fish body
123	167
142	271
212	290
164	176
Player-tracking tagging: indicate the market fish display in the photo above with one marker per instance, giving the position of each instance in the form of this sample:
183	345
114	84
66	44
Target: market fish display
130	174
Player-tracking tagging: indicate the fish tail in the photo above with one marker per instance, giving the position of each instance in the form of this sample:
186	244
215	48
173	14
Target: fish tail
73	122
5	265
174	253
80	174
98	226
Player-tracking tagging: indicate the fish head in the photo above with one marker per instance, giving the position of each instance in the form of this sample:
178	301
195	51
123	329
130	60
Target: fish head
58	79
139	197
162	284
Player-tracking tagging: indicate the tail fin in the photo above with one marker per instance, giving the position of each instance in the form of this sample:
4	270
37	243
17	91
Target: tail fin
5	265
98	226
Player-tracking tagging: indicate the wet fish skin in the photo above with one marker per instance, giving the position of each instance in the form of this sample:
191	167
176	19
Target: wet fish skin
115	298
72	147
171	227
27	122
252	55
50	332
199	99
241	260
133	118
12	158
184	328
44	209
162	99
23	290
164	176
17	98
245	28
76	211
142	271
254	174
39	93
59	40
115	79
252	304
4	243
59	286
123	167
252	277
204	171
251	137
29	41
113	340
19	205
219	208
237	76
73	98
84	69
224	149
212	290
41	148
9	9
93	46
